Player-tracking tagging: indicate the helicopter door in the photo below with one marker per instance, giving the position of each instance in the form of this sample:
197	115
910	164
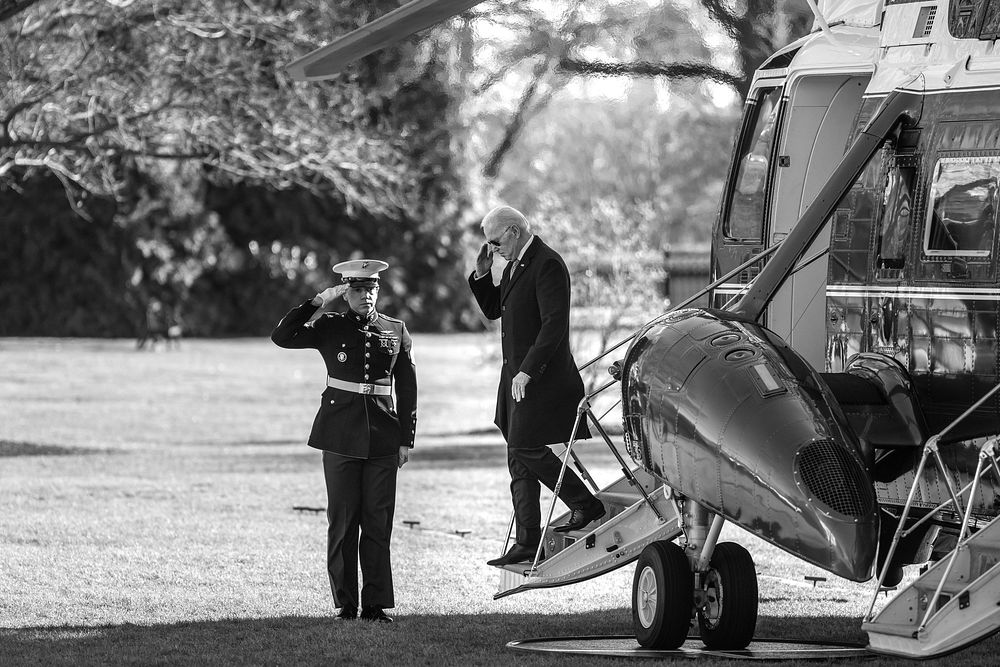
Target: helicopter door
821	114
741	231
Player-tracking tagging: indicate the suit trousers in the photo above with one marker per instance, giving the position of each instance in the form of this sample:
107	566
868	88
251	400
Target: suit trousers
361	495
528	467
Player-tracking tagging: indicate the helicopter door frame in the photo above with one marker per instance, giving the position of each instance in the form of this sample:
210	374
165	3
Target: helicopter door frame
749	182
821	112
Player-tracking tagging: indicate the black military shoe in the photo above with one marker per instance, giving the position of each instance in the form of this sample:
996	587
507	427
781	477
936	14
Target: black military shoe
580	518
375	614
347	614
517	554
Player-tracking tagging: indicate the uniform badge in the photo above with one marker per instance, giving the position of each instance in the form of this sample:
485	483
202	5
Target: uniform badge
387	343
341	357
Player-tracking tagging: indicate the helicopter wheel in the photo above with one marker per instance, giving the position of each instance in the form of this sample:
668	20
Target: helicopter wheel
728	616
662	596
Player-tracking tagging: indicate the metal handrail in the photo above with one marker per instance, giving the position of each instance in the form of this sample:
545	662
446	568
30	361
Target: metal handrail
691	299
931	449
801	265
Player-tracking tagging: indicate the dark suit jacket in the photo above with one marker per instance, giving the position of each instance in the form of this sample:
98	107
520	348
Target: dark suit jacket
377	352
533	308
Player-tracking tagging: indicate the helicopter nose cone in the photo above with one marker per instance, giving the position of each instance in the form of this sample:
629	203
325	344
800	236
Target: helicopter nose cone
838	507
725	413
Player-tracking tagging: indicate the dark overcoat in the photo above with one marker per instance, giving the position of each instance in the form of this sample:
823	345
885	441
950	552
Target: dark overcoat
533	308
362	351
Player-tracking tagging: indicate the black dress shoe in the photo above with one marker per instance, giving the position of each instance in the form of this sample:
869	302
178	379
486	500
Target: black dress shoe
516	554
580	518
347	614
375	614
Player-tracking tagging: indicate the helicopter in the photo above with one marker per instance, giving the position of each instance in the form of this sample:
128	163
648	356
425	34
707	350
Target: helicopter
839	397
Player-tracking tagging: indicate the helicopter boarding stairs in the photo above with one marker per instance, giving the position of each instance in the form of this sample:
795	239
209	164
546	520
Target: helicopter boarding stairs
955	601
639	511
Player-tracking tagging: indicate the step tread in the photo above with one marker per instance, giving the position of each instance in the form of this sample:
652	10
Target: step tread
905	630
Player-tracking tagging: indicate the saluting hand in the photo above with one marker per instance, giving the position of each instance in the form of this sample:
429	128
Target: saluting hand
518	386
330	294
484	261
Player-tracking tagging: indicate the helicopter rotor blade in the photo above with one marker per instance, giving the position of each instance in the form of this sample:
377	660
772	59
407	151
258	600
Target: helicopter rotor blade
327	61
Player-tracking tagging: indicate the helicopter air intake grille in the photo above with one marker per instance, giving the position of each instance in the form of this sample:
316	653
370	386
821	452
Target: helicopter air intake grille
835	478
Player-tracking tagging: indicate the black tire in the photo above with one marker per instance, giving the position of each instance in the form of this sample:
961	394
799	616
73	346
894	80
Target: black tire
662	596
729	618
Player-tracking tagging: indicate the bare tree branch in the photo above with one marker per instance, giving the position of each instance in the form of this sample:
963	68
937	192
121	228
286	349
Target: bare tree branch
682	70
517	121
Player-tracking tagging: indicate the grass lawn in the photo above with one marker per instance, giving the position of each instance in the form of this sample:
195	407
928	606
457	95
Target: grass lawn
146	516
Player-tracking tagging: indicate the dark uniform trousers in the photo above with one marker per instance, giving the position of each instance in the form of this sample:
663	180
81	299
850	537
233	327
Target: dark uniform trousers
361	493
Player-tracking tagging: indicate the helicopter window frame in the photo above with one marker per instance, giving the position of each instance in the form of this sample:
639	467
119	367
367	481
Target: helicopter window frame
763	125
936	230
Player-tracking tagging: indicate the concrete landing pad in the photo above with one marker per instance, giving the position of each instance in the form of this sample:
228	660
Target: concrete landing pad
625	646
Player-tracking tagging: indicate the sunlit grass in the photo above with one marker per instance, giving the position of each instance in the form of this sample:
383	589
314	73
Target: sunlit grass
156	522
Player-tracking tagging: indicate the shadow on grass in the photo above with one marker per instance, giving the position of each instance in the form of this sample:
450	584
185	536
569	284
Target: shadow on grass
478	639
478	454
10	448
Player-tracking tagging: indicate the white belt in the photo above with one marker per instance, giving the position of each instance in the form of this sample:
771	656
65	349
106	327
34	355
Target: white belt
359	387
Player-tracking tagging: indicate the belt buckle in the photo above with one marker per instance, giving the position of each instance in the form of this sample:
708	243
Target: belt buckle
367	388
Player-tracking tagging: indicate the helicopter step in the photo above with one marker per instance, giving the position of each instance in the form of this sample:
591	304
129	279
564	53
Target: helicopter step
614	541
966	608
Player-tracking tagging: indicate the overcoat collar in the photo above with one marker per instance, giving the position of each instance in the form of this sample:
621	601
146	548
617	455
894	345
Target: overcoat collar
522	265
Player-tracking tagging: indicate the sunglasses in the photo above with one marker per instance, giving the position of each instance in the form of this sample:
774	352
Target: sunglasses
496	243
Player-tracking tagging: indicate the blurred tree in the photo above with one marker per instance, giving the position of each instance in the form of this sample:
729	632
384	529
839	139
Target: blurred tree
171	119
529	51
174	122
644	148
97	83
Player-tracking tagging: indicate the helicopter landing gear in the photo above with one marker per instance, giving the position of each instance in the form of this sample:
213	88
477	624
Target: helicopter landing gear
662	595
715	582
727	613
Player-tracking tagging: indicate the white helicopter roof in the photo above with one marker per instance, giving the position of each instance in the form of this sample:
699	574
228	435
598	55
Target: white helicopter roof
863	13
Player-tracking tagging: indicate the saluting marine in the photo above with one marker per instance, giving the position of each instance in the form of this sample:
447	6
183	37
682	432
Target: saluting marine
363	438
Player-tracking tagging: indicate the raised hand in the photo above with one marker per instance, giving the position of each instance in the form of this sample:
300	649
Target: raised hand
330	294
484	261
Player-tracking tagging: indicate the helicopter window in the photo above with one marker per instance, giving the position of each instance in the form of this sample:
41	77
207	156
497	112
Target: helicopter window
962	18
991	21
969	19
896	218
961	217
746	210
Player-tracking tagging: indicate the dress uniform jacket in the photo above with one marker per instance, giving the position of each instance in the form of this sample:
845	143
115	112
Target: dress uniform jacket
357	350
533	308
